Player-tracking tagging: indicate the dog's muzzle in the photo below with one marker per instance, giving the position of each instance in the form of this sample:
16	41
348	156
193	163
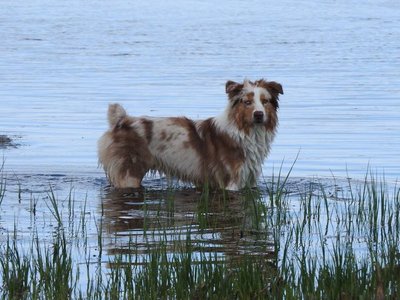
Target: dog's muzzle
258	116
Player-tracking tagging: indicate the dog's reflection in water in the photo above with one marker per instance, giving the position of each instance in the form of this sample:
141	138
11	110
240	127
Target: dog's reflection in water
134	221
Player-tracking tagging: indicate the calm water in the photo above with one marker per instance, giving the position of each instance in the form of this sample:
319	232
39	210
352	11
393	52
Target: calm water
62	62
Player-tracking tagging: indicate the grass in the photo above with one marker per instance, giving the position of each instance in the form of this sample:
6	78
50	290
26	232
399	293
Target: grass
2	183
284	241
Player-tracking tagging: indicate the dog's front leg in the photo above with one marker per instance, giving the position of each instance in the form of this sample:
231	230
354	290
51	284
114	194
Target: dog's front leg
232	186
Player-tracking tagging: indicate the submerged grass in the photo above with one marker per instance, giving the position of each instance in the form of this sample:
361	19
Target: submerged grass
285	241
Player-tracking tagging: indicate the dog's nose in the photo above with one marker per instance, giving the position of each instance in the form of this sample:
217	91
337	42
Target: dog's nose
258	116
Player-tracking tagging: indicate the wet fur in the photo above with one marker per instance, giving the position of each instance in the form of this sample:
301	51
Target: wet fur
226	151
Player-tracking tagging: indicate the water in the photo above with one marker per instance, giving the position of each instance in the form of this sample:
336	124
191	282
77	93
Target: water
62	62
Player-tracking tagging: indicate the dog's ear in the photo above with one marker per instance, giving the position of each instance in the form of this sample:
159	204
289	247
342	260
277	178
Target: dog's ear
233	88
273	87
276	87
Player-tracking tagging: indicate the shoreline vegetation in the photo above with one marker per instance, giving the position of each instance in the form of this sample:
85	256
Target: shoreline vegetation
284	240
6	142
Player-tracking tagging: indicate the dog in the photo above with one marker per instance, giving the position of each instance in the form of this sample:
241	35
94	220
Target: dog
226	151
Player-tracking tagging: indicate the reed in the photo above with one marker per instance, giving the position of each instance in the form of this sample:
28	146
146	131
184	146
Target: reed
2	183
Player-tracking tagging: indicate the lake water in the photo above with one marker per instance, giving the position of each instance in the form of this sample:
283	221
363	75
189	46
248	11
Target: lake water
62	62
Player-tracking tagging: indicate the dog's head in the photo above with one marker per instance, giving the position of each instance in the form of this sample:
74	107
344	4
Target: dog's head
254	103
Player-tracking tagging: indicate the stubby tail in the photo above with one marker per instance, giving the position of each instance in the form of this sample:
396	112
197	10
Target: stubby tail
115	114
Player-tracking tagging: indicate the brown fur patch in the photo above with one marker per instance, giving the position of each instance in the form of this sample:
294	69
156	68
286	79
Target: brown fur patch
250	96
163	135
170	137
222	153
272	119
148	129
194	138
132	149
182	122
242	116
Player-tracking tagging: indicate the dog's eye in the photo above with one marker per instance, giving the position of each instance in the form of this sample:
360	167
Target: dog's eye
265	101
247	102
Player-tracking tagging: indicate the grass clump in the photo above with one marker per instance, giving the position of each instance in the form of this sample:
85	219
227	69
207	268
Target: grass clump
347	247
15	271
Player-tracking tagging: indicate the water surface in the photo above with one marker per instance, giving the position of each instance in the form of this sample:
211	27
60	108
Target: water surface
61	63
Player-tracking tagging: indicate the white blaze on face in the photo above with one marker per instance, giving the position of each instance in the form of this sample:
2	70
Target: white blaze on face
258	106
260	95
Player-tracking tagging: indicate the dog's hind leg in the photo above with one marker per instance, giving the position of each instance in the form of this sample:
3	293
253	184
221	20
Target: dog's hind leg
125	158
128	170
